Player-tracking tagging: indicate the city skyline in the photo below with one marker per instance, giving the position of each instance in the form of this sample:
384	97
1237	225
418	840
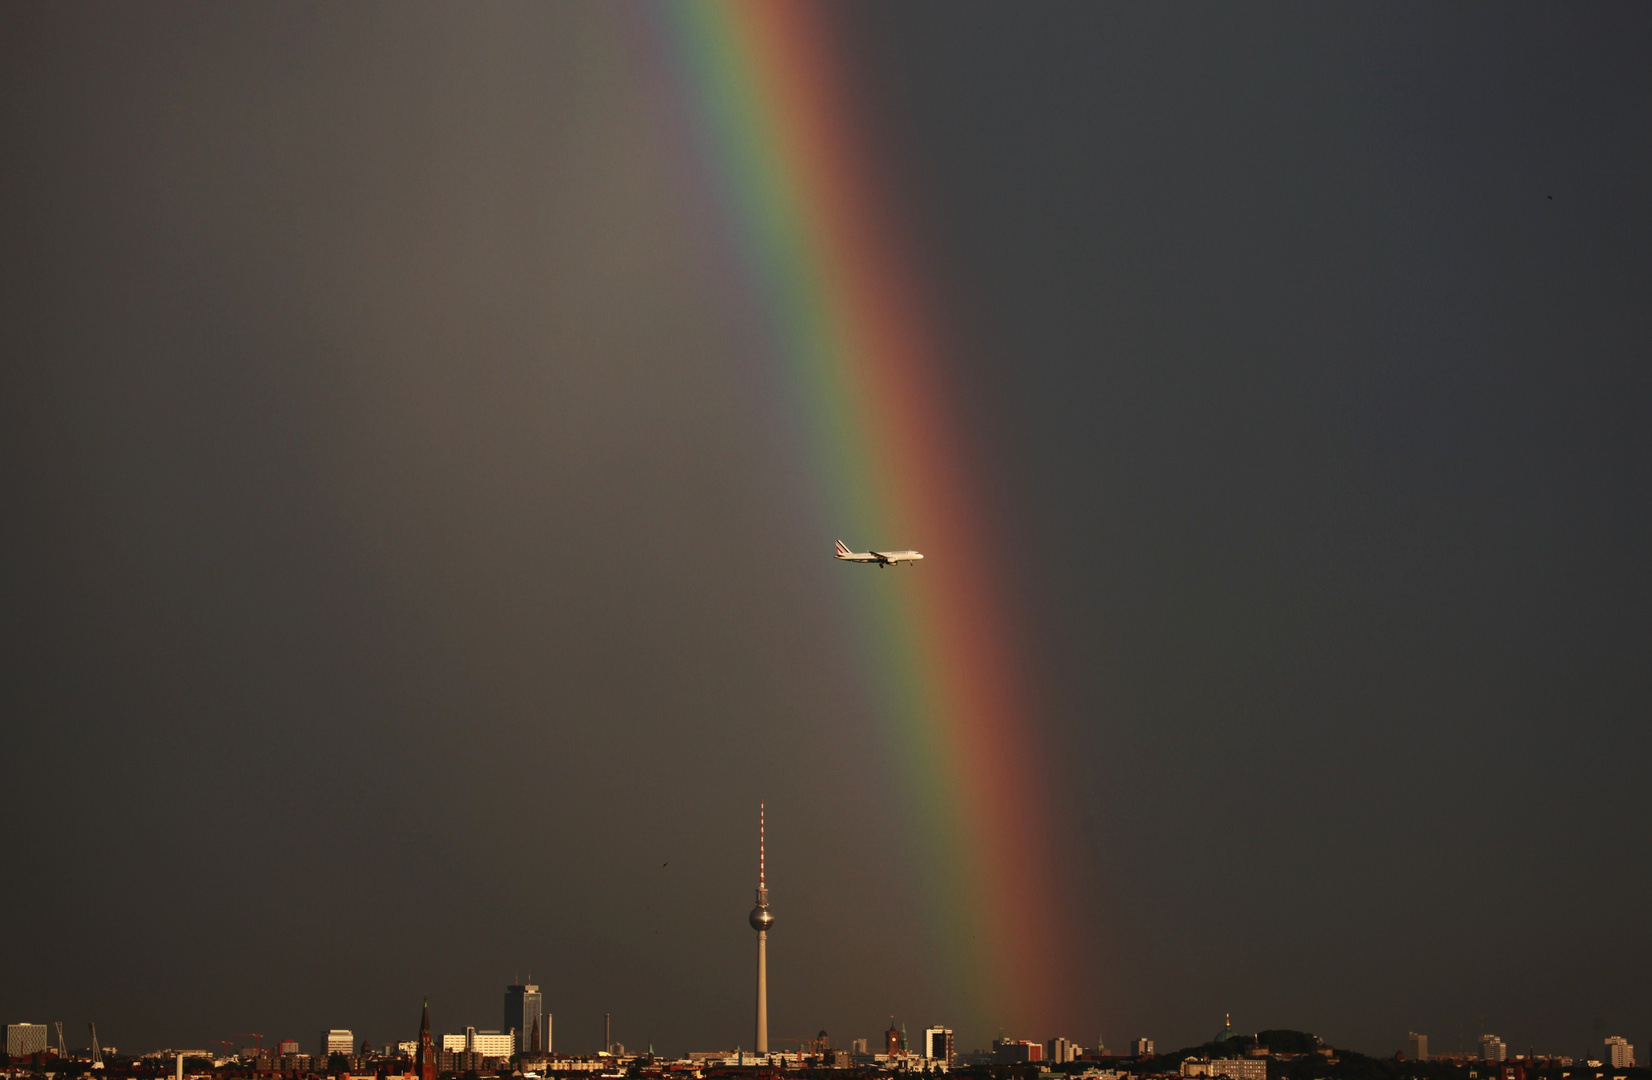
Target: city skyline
937	1044
427	429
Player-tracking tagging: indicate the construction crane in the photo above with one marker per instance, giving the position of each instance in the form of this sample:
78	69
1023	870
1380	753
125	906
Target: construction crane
226	1044
97	1052
254	1036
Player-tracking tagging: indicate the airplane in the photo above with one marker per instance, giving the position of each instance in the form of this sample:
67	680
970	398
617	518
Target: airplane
882	558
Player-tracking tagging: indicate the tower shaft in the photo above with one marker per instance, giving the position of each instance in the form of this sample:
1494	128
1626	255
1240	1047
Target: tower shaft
762	991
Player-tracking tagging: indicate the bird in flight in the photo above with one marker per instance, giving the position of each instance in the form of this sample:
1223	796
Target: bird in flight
882	558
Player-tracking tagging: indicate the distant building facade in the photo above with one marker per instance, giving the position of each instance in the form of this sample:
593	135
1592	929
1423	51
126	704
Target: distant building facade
1060	1051
523	1015
1493	1049
25	1039
1011	1051
1142	1048
287	1046
1416	1047
1618	1050
938	1044
494	1044
1231	1068
337	1041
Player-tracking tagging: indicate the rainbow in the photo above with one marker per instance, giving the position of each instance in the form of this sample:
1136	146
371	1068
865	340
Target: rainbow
756	94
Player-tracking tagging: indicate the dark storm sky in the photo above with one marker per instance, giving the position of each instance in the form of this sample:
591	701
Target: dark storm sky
401	562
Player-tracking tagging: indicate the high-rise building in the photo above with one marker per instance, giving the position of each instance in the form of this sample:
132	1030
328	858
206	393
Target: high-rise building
1060	1051
287	1046
337	1041
1142	1047
761	919
25	1039
1493	1049
522	1015
1416	1047
1617	1048
938	1043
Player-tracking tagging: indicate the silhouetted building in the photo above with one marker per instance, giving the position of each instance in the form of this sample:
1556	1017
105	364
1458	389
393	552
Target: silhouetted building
523	1016
893	1042
1416	1047
938	1043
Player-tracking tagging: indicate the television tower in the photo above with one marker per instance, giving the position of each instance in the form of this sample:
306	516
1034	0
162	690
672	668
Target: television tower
761	920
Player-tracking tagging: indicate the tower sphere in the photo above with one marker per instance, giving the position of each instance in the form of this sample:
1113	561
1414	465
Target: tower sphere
761	917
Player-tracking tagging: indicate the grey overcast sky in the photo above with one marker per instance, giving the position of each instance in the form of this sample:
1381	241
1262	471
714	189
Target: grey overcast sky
405	587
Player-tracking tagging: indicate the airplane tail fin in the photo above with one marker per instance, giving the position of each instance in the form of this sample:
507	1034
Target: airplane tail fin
841	549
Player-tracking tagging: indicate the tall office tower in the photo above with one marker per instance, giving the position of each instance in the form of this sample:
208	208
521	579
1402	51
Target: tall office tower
337	1041
761	919
25	1039
1493	1049
522	1013
1416	1047
1060	1051
424	1058
1143	1047
938	1043
1621	1053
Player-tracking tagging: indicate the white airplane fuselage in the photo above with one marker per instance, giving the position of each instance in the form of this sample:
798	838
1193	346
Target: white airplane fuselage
881	558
